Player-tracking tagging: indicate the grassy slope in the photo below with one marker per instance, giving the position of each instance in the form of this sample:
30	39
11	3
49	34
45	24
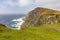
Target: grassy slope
44	32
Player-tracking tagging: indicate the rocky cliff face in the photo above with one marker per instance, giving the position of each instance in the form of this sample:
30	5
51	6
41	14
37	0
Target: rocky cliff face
40	16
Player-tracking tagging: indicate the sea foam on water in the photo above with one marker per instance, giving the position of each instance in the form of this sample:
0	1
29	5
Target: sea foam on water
18	23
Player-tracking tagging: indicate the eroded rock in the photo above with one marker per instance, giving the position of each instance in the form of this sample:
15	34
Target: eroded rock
40	16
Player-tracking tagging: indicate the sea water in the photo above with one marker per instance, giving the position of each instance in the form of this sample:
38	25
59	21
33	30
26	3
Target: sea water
12	21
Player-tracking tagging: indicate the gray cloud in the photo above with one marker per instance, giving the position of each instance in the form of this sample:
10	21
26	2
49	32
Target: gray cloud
53	4
10	6
18	6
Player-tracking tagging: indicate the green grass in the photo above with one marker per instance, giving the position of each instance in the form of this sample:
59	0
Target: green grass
44	32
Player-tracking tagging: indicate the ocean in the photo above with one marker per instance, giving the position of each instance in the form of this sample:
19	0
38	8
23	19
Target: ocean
8	20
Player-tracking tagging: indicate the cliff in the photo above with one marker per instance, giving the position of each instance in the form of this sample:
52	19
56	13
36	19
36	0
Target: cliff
40	16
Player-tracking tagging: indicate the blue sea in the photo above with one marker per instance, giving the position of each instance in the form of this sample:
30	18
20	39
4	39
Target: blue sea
7	19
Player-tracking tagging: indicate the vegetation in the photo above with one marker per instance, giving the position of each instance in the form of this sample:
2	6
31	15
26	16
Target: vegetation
33	29
43	32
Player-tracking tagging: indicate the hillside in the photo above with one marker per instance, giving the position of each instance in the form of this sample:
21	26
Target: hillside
40	16
40	24
3	28
43	32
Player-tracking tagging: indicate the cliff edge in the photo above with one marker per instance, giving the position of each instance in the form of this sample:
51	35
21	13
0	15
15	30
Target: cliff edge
40	16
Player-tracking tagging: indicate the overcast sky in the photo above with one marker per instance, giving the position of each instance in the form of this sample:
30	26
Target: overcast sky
24	6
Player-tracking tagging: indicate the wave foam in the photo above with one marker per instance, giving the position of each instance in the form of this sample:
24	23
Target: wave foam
18	23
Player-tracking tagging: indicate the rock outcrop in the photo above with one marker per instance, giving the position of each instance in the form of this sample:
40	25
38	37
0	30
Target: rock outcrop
40	16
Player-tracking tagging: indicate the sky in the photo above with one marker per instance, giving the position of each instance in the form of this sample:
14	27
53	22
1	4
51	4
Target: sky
24	6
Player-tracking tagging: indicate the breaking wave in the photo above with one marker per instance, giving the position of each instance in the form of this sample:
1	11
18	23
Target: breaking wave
17	23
